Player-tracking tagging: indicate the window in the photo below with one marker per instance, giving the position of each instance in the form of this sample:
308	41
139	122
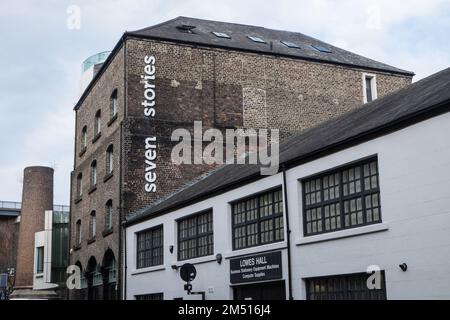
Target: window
92	225
256	39
150	248
109	159
109	215
221	35
258	220
290	44
186	28
40	260
84	138
195	236
342	199
321	48
93	174
344	287
78	232
80	185
97	124
151	296
369	87
114	105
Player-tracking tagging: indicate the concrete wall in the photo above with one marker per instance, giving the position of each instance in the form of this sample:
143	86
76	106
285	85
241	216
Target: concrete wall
413	174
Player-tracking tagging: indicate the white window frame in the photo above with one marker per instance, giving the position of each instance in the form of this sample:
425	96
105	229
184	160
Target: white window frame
373	84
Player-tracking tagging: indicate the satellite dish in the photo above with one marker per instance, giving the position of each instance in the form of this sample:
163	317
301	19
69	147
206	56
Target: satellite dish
188	272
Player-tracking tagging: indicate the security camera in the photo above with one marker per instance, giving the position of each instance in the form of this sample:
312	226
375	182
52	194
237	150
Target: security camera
403	266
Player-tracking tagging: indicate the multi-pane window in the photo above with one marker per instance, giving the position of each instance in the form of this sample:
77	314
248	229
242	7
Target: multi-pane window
92	225
150	247
114	104
78	232
151	296
97	123
258	220
84	137
109	215
93	174
80	185
346	287
109	159
195	236
40	260
345	198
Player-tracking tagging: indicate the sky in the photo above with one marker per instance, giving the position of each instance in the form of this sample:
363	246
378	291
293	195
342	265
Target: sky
44	43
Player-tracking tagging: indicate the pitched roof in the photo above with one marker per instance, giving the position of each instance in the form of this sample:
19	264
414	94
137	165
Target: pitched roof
419	101
239	39
202	35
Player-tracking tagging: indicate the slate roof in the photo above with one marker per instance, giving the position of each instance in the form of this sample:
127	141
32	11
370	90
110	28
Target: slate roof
419	101
203	35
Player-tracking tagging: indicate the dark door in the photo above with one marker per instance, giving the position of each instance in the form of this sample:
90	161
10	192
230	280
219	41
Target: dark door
261	291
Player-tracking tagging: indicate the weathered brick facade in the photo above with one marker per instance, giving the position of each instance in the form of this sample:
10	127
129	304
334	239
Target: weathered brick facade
222	88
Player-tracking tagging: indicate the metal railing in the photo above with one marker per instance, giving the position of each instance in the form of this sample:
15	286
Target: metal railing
10	205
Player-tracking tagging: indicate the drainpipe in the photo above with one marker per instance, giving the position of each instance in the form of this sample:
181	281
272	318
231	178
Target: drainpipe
288	229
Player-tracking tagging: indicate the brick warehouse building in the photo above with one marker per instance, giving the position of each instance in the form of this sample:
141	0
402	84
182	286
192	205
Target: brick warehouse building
226	75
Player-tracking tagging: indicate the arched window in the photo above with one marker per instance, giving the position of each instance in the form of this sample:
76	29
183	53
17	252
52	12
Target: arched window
109	215
84	137
92	225
114	105
109	159
78	234
97	124
80	185
93	174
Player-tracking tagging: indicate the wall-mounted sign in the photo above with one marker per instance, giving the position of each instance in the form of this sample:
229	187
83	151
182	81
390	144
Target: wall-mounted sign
259	267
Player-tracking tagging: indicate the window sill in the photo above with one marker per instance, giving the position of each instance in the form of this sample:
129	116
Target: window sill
343	234
256	249
147	270
82	152
97	136
107	232
39	275
110	122
92	189
108	176
76	247
91	240
78	200
198	260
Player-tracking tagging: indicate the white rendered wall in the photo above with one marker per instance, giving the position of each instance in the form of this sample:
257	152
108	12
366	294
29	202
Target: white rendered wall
414	174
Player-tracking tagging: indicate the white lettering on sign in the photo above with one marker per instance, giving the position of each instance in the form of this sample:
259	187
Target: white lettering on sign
148	103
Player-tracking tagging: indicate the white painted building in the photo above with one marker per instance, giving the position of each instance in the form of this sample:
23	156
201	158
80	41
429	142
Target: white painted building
369	190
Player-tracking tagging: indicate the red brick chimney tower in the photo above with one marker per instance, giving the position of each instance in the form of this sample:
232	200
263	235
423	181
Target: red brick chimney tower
37	196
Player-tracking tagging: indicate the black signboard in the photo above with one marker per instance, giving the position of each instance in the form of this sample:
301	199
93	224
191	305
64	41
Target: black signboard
260	267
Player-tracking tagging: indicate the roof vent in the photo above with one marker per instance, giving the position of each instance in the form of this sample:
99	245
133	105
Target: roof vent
186	28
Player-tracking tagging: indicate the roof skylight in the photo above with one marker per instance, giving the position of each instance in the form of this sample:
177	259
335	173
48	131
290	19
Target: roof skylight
321	48
290	44
256	39
221	35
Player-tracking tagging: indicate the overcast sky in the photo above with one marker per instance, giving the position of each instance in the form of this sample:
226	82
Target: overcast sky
40	57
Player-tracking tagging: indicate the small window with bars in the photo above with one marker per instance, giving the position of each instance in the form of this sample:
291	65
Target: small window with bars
341	199
258	220
345	287
195	236
150	247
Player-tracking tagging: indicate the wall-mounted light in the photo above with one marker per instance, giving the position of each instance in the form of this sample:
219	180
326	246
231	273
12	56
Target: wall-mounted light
219	258
403	266
171	249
